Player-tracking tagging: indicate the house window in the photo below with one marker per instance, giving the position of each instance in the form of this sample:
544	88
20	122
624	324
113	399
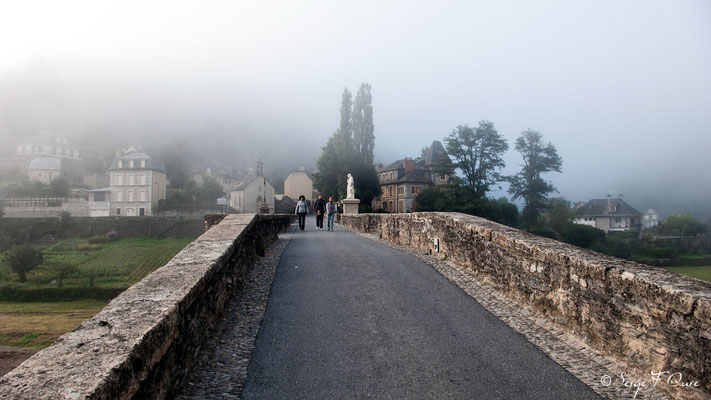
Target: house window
119	196
390	191
391	175
118	211
120	163
130	195
143	163
141	211
401	190
442	177
618	219
99	196
613	208
143	179
130	164
120	179
383	175
131	180
142	195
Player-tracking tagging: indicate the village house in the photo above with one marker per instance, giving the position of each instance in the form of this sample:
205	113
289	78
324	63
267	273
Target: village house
403	180
137	181
44	169
299	182
49	146
253	194
611	214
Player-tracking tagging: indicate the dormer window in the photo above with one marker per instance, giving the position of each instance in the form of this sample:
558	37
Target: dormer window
391	175
613	208
130	164
143	163
120	163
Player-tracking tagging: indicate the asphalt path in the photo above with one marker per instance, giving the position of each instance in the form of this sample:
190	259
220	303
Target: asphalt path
352	318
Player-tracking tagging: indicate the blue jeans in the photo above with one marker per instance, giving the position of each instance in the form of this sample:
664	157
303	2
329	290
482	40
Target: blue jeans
330	221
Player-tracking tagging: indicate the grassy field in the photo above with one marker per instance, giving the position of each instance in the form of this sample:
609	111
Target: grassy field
38	324
117	264
701	272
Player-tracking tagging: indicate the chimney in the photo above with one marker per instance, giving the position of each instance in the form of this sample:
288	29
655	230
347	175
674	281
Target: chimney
408	164
380	166
609	199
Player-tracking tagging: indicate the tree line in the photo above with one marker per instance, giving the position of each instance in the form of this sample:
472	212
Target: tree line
477	153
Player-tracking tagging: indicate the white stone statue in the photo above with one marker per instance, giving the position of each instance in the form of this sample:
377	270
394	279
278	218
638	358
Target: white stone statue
350	189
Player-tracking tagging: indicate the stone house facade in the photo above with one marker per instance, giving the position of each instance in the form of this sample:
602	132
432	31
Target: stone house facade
403	180
253	193
299	182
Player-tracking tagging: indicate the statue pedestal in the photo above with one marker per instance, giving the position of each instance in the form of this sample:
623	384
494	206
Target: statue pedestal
350	206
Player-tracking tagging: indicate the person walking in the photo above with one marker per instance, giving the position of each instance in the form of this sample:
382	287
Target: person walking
330	213
302	208
320	208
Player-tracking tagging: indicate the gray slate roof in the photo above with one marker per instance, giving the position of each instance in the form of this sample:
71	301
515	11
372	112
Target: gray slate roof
599	208
435	155
50	163
151	163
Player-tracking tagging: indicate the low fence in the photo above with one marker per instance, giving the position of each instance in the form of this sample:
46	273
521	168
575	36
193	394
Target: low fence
144	341
652	319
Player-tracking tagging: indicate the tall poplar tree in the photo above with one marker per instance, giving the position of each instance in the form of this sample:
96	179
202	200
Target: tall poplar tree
363	128
350	150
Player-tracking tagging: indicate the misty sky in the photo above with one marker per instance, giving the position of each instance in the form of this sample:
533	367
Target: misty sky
621	88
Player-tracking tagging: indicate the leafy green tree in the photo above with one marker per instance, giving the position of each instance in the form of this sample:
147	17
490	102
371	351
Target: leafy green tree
683	225
59	187
62	270
560	214
23	258
538	158
209	191
175	159
478	152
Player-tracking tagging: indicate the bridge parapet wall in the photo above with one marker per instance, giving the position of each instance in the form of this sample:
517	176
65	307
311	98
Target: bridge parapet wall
144	341
647	317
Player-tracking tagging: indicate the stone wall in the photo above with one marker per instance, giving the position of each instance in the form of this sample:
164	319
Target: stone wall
649	318
143	342
36	228
45	207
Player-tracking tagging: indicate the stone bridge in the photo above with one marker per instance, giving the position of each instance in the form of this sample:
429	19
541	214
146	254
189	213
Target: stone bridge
423	305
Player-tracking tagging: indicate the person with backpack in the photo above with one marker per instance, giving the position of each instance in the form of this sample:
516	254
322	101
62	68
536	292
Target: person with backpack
320	208
302	208
330	213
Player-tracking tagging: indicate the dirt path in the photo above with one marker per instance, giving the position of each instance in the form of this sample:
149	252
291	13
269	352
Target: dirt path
11	357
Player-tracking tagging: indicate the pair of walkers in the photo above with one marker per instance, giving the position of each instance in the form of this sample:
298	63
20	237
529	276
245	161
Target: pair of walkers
321	207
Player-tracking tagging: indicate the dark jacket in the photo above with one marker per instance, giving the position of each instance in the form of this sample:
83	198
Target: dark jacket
320	205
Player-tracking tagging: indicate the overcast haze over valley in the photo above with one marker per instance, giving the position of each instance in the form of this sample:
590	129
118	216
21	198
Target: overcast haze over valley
621	88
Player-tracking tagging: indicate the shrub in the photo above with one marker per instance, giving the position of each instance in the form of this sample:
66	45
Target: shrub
663	252
5	241
113	235
581	235
61	270
23	258
89	246
99	239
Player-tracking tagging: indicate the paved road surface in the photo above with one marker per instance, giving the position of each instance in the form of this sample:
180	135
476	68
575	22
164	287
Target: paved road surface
349	317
